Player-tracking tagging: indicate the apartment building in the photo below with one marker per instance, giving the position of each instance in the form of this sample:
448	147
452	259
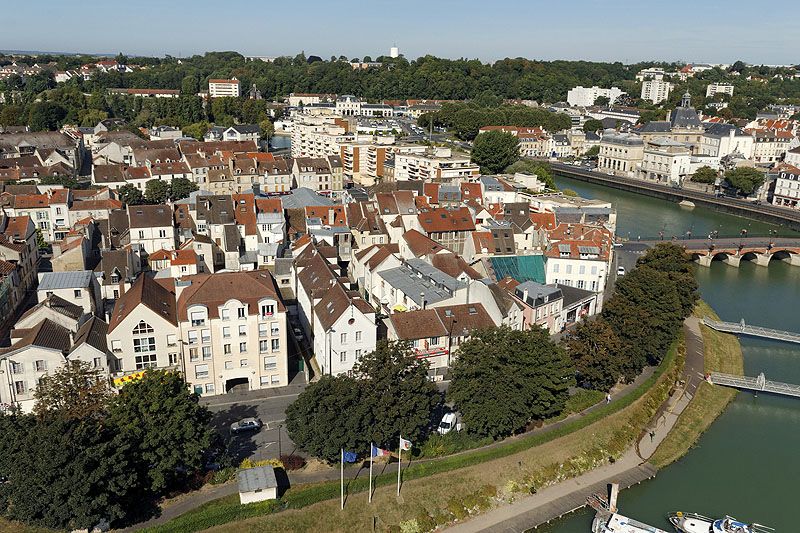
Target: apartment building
620	154
79	287
586	96
787	186
151	227
315	174
719	88
319	136
218	88
233	330
656	91
438	164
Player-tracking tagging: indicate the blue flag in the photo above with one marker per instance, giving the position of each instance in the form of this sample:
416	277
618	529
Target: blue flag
349	457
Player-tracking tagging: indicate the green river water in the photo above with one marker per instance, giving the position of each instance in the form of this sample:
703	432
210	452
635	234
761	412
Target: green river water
746	465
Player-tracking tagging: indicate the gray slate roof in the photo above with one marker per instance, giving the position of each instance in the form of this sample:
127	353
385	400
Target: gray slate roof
65	280
258	478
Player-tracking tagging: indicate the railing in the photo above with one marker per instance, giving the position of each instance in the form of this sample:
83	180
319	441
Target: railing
741	328
760	383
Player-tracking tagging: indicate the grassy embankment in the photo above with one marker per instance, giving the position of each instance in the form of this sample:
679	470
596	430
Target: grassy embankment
722	353
438	492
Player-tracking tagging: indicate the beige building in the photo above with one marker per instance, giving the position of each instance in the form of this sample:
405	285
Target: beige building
233	330
620	154
656	91
665	161
438	164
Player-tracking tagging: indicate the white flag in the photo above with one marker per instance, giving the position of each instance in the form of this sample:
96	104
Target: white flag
405	445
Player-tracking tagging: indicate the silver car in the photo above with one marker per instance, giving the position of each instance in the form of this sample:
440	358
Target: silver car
246	424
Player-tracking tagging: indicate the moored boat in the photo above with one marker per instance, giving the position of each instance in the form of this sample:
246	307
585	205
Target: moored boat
695	523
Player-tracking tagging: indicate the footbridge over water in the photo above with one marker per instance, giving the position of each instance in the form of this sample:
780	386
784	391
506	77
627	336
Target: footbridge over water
757	384
733	251
740	328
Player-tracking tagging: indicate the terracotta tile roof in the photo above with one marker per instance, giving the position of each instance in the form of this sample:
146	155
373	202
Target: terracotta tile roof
333	215
145	291
269	205
465	317
245	212
213	290
471	191
419	324
420	245
454	265
543	220
31	201
441	220
17	227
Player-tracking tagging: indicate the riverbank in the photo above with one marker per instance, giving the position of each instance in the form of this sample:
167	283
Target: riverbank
438	493
722	353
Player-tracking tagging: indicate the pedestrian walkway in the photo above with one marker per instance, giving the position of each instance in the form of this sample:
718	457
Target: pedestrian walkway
556	500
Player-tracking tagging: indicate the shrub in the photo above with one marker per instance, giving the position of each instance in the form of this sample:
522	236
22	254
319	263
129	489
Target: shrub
425	521
223	476
292	462
456	508
410	526
249	463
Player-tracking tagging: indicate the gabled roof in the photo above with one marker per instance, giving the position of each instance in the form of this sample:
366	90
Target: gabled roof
57	304
421	245
213	290
93	332
145	291
46	334
149	216
65	280
441	220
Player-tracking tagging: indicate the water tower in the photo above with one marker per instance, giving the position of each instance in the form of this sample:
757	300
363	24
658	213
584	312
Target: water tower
394	51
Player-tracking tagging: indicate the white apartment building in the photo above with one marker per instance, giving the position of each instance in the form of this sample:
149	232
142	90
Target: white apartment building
348	105
583	264
79	287
233	330
586	96
652	73
719	88
152	227
656	91
437	165
319	136
224	88
720	140
787	187
665	161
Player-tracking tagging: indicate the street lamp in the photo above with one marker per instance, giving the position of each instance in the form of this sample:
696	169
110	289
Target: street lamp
453	322
280	426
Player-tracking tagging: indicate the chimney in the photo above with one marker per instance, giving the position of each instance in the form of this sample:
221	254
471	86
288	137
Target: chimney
422	299
331	216
525	295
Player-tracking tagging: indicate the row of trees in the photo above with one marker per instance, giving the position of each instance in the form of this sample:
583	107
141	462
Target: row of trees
638	323
88	455
746	180
157	192
466	118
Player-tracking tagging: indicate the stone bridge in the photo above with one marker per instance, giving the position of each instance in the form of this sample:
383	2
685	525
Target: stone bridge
732	251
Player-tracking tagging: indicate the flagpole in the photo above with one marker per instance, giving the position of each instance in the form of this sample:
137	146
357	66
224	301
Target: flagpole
342	470
370	471
399	462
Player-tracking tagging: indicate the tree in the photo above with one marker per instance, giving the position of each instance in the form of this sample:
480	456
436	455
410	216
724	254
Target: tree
503	379
45	116
593	152
493	151
540	169
74	391
673	260
41	243
704	174
595	350
196	130
267	129
181	188
189	85
166	426
128	194
745	179
398	392
156	191
329	415
592	125
602	100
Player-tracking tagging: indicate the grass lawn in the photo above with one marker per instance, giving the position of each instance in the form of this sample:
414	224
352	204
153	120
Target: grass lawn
722	353
437	492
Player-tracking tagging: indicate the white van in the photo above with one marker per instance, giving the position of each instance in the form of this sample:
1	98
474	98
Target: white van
449	422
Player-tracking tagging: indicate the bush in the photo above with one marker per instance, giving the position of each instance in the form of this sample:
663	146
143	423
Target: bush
223	476
425	521
249	463
292	462
456	508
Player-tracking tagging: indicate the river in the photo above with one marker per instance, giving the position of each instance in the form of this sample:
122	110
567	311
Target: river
746	465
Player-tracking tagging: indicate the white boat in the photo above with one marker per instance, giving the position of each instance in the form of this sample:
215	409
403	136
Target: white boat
695	523
688	204
616	523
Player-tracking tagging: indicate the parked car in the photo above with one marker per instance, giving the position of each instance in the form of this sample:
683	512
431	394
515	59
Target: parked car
620	271
450	421
246	424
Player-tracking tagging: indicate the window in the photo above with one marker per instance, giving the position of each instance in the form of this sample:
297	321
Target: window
270	363
582	269
198	318
97	362
267	310
569	269
358	336
343	338
226	349
276	345
201	371
192	354
358	355
226	314
276	379
209	387
171	340
242	330
20	387
242	312
40	365
242	347
17	368
145	360
262	330
173	359
243	363
162	233
144	345
276	329
263	346
116	346
141	234
228	365
555	267
206	352
343	357
434	341
191	337
205	335
594	271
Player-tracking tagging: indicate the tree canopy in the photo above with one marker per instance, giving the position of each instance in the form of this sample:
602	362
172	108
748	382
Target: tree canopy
541	169
745	179
494	151
705	175
502	379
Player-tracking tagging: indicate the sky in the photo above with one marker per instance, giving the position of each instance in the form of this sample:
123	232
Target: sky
594	30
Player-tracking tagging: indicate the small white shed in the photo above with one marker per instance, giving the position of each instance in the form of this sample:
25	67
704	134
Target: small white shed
257	484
